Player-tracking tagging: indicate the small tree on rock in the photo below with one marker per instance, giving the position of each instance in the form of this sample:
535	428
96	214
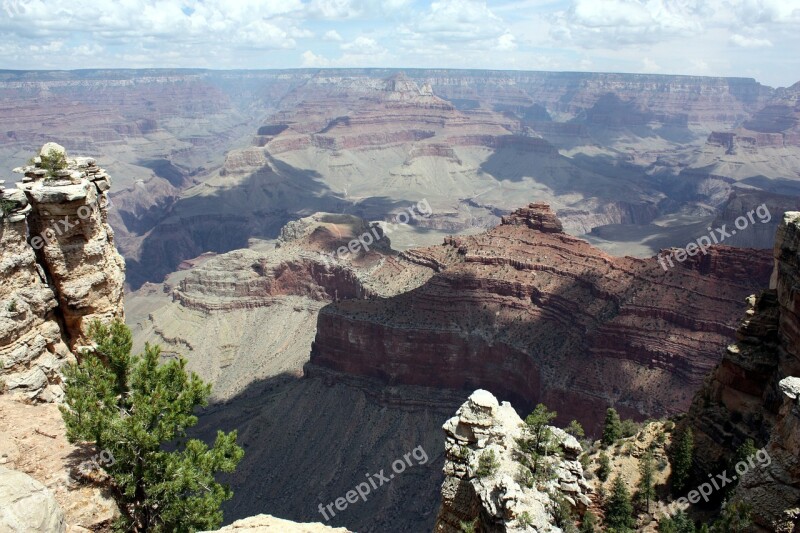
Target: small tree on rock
138	410
646	486
604	466
537	442
619	511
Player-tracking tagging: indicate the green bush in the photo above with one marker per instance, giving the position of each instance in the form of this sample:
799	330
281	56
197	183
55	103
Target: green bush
468	527
628	428
12	306
7	206
52	162
575	429
525	520
487	464
612	427
589	524
618	507
681	457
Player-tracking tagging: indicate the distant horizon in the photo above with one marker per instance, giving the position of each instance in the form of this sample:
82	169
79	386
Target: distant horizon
394	69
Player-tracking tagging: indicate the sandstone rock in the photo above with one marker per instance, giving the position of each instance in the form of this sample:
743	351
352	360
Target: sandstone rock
270	524
754	392
26	505
77	270
568	318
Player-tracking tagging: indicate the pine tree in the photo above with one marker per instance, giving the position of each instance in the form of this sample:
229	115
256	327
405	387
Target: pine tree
589	524
612	427
646	486
131	407
604	467
681	460
575	429
736	517
680	523
619	511
537	442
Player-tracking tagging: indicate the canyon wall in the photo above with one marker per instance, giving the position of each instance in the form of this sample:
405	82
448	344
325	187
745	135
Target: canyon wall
535	315
753	392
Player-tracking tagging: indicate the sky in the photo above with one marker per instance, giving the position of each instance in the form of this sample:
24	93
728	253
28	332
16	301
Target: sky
749	38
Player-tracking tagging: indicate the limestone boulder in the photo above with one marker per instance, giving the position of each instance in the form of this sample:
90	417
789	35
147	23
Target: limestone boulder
27	506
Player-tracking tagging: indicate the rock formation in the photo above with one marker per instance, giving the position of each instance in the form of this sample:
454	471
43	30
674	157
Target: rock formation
26	505
59	271
250	314
753	392
496	502
269	524
535	315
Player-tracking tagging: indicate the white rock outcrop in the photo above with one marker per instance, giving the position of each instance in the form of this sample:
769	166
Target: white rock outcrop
499	502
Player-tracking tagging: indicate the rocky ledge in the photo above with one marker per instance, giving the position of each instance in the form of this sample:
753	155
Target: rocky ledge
498	502
535	315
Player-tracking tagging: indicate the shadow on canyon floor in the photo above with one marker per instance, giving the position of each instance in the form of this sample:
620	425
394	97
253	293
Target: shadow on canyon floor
308	441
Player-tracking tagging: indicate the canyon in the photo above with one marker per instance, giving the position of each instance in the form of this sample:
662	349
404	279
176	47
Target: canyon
234	190
208	160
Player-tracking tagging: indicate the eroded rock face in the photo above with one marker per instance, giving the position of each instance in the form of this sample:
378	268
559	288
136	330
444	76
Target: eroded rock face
495	503
753	392
75	245
59	270
535	315
32	349
225	312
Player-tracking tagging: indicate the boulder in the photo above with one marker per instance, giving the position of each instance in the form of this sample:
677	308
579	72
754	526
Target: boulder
27	506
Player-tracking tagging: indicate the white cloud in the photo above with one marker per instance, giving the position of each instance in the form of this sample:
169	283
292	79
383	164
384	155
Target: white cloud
350	9
613	23
648	65
715	37
749	42
312	60
363	46
332	35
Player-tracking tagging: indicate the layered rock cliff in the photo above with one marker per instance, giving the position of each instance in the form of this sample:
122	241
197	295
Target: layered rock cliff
535	315
250	314
498	501
753	392
59	271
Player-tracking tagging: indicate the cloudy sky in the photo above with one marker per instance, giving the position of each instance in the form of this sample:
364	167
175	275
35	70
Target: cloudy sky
752	38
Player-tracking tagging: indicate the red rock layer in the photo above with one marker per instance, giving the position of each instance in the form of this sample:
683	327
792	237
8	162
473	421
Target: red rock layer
535	315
